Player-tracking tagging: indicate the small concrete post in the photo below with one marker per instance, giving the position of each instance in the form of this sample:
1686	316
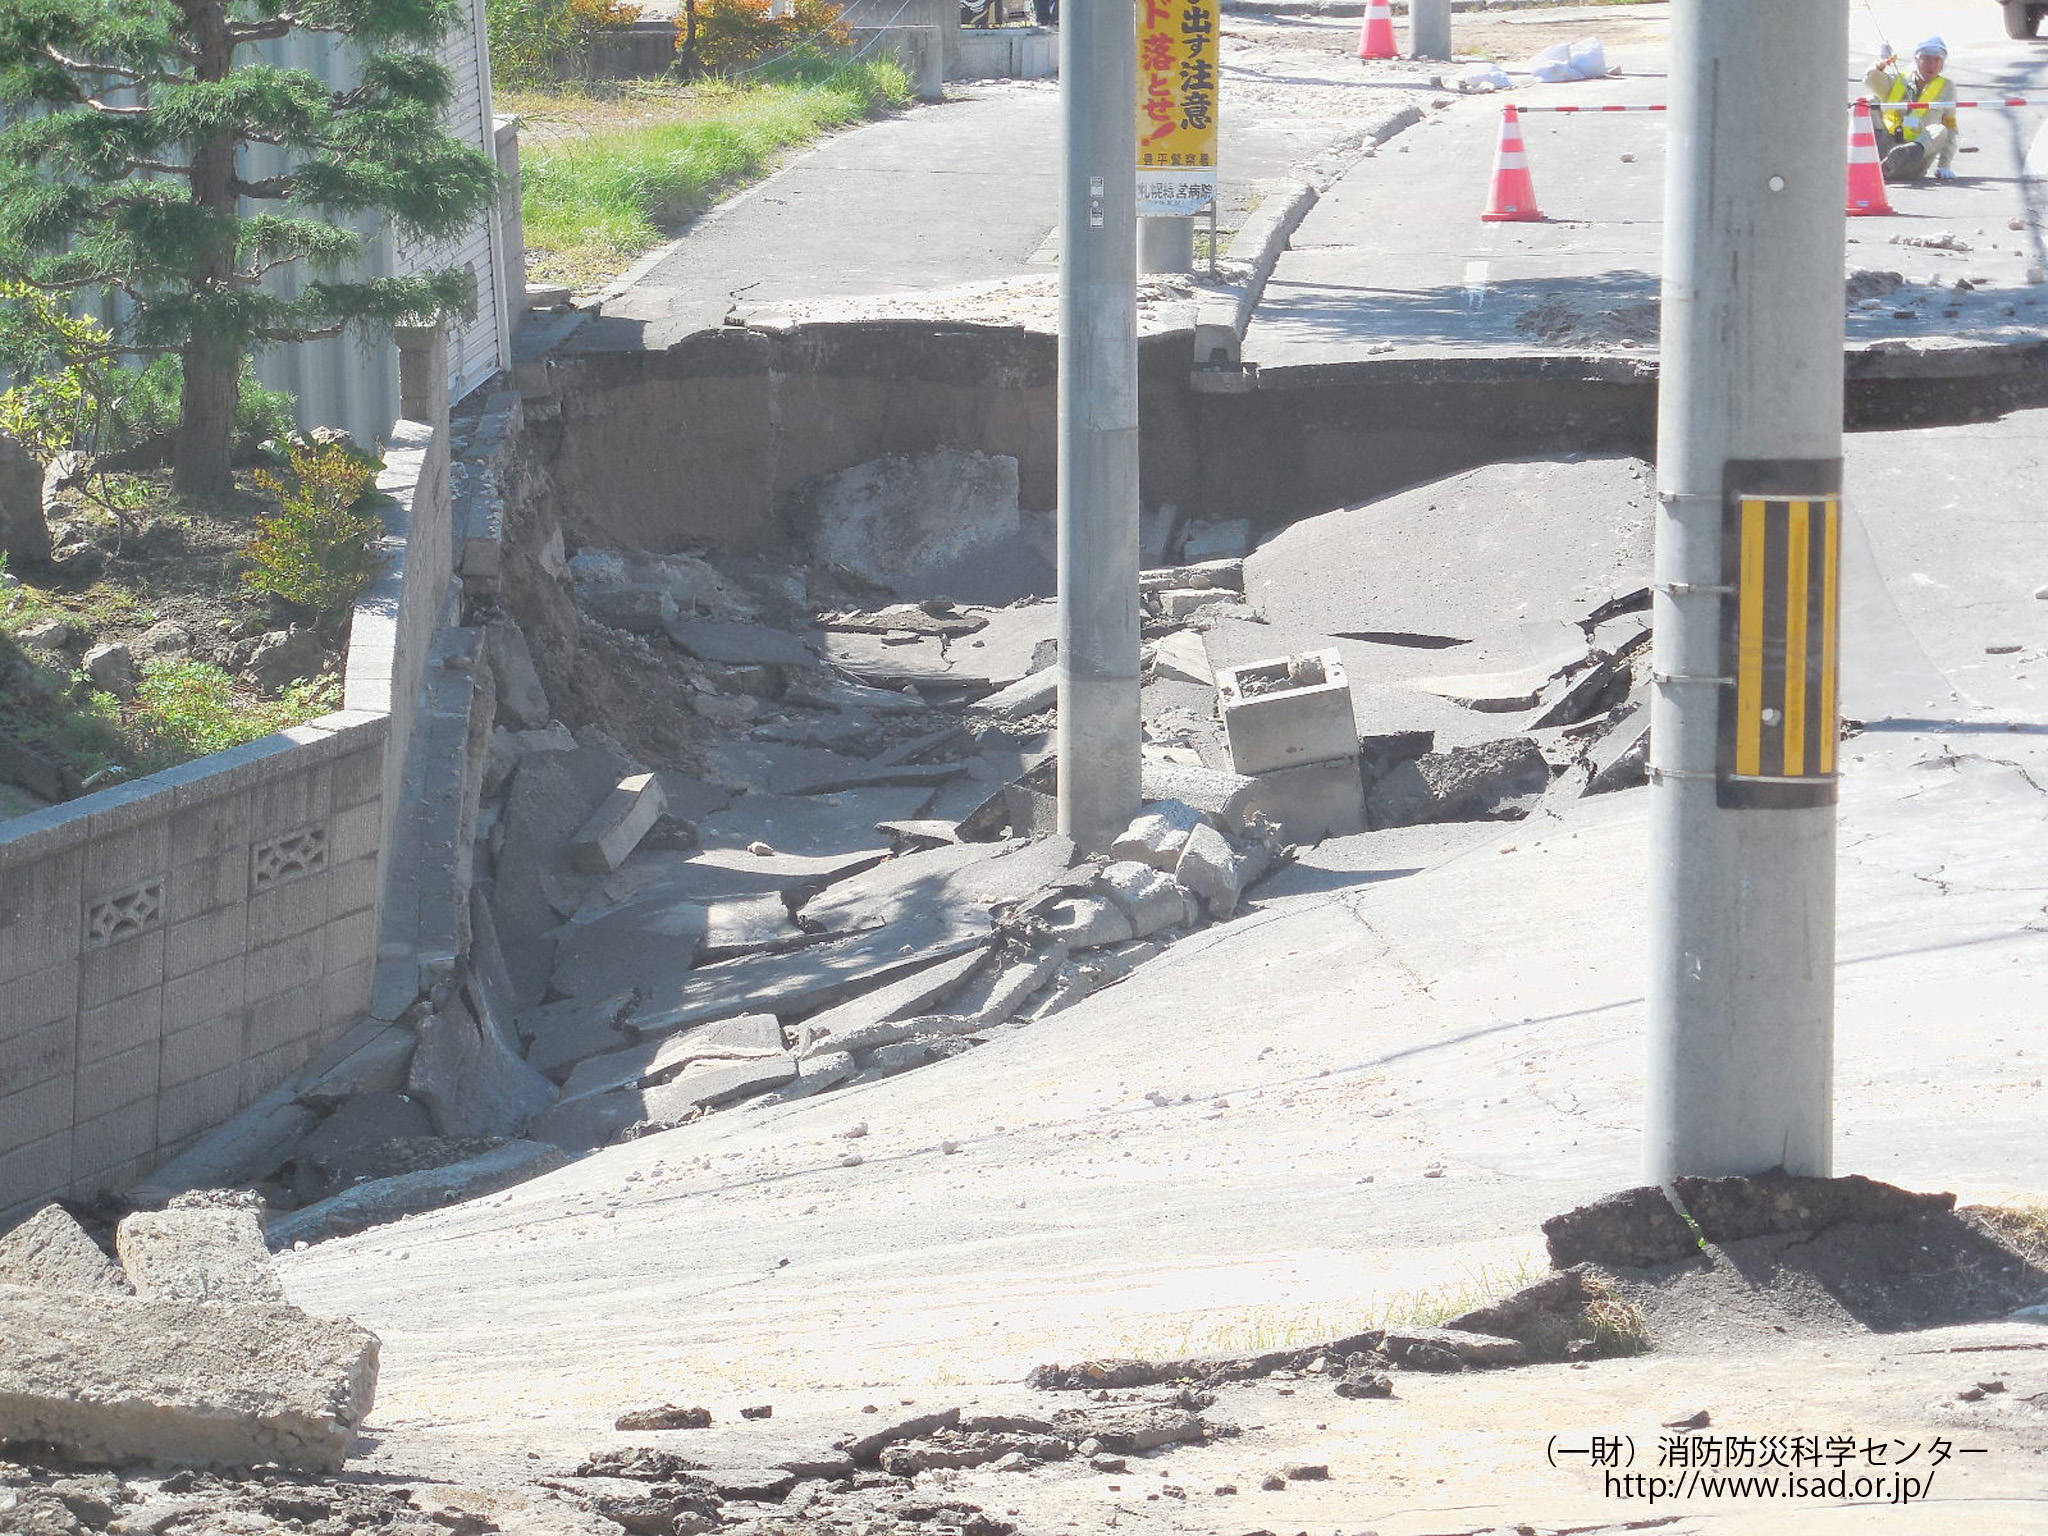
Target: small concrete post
1749	454
1098	425
1429	29
423	373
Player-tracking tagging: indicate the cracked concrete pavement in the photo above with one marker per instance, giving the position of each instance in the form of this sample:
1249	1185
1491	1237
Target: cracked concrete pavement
1237	1143
1415	1046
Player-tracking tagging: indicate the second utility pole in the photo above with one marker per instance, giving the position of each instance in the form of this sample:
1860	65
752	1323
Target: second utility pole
1744	708
1098	424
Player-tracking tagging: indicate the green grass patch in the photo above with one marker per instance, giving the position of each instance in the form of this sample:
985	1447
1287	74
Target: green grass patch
595	201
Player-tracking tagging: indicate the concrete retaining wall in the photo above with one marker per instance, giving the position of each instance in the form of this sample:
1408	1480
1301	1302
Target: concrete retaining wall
1004	53
172	947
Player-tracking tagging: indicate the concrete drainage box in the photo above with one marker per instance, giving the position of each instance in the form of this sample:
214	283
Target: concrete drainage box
1285	713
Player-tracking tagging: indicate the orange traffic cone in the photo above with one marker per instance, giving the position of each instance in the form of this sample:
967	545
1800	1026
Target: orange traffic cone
1866	174
1376	37
1514	194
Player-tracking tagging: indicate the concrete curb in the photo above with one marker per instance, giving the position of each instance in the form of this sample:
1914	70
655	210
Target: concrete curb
1221	322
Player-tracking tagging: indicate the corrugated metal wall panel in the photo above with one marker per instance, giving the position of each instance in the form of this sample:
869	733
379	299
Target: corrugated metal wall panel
352	382
477	348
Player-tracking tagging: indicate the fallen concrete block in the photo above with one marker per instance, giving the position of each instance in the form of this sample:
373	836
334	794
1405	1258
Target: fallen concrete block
811	978
376	1201
595	1120
815	1074
558	1035
1620	758
1213	871
1178	604
51	1252
1001	991
1088	922
1570	698
1148	897
1031	805
1067	987
1182	657
892	517
649	943
333	1155
615	828
1286	712
120	1379
1226	798
1225	573
1158	834
737	645
918	1051
205	1254
709	1084
751	1036
1495	780
509	746
919	992
522	701
865	1451
1379	755
1313	801
552	796
1032	694
469	1078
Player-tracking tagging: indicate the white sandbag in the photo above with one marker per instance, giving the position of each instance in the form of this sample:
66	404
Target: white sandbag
1483	77
1585	59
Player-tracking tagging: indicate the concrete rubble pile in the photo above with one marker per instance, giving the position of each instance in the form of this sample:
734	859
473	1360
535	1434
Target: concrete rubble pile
861	872
185	1352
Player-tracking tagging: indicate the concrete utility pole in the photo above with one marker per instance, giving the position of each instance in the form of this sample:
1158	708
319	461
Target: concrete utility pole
1429	29
1743	716
1098	424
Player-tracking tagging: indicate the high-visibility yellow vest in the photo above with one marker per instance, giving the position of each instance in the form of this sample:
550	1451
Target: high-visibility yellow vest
1907	125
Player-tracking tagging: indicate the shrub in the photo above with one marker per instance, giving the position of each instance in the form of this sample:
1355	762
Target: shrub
318	548
534	42
186	708
725	36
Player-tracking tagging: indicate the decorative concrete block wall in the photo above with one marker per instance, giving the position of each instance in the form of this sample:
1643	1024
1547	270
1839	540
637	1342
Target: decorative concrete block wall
173	947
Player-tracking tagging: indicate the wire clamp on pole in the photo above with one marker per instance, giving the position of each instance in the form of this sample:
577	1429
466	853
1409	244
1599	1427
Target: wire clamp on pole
1694	589
1661	678
1658	774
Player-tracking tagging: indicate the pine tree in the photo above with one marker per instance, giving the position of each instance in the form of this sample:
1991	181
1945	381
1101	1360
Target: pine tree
124	166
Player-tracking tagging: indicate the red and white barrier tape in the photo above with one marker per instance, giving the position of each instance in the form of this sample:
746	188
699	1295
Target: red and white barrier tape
1875	106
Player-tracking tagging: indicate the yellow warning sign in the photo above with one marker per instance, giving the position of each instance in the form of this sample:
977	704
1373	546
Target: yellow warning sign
1177	80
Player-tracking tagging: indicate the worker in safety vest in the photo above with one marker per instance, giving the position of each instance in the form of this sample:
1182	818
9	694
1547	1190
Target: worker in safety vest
1910	140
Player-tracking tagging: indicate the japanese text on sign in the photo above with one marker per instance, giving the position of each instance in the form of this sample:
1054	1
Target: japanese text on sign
1177	68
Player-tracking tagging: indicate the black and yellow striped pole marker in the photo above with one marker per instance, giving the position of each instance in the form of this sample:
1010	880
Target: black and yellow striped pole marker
1780	715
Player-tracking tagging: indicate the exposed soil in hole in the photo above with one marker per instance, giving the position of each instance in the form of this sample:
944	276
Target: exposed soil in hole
1557	323
1776	1256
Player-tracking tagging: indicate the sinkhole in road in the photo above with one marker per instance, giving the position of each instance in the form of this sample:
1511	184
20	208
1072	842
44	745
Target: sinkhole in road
716	442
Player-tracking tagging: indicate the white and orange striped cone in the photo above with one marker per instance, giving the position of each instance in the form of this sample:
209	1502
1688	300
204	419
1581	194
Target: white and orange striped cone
1866	174
1376	37
1513	199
